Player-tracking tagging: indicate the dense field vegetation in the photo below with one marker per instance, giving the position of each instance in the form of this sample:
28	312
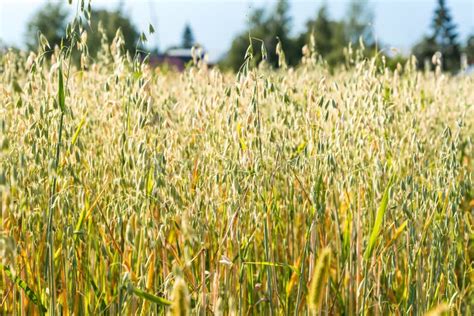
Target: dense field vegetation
125	189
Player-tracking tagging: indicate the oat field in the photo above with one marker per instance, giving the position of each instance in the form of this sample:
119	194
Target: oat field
128	190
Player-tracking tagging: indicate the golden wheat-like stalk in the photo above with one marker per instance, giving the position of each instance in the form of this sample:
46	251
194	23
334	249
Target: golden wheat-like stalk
319	280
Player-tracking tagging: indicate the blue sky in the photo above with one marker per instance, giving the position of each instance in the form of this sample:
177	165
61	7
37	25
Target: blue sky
398	23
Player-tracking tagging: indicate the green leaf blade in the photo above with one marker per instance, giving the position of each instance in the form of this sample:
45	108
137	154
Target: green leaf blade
61	95
150	297
378	222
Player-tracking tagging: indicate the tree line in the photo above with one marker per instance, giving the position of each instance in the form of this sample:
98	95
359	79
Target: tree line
272	28
332	36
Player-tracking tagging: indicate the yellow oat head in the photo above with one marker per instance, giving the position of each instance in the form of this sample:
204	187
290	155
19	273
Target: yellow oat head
319	280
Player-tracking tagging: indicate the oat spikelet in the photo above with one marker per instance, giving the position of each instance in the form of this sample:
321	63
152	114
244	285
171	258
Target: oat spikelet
180	305
319	280
441	309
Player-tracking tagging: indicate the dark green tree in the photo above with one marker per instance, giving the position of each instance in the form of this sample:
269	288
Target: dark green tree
188	37
424	50
442	39
323	32
111	21
269	28
279	25
330	37
50	20
469	49
445	35
339	41
256	28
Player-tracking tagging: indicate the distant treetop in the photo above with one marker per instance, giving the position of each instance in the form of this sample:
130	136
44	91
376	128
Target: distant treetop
188	37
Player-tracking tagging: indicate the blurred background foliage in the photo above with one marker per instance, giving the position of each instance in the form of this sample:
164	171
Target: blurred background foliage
270	26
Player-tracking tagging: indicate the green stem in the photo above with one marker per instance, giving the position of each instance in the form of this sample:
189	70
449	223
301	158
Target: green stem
366	268
50	233
269	271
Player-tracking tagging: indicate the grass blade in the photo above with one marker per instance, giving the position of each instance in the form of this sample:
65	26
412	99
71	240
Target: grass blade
78	130
22	284
378	222
61	97
150	297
